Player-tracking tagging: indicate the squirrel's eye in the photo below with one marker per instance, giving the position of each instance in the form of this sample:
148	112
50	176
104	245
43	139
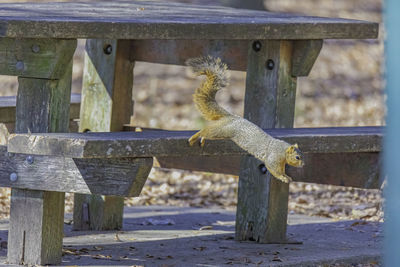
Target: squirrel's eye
297	157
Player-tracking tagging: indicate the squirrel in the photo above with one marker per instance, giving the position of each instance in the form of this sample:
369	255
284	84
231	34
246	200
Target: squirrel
274	153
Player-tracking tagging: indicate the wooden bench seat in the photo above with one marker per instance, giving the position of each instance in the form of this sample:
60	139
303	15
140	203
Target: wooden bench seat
347	156
161	143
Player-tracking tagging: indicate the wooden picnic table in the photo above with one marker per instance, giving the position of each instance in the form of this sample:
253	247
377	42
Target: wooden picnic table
37	44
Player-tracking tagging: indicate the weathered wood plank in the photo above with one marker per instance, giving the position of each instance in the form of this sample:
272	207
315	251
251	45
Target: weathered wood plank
304	55
262	207
36	217
8	103
119	177
34	58
231	52
107	86
32	239
360	170
107	105
174	143
167	20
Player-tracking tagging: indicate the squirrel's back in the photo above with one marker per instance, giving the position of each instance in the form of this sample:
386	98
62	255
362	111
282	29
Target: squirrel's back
216	78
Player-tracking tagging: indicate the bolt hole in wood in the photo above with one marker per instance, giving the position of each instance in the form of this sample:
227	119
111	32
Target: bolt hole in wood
257	46
270	64
262	168
87	131
107	49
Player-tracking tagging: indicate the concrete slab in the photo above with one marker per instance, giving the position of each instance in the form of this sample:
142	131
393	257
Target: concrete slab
175	236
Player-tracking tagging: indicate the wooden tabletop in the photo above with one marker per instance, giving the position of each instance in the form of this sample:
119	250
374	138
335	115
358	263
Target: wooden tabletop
160	20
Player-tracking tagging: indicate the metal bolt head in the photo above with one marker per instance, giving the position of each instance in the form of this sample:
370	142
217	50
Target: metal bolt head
108	49
270	64
29	159
35	48
20	65
257	46
262	169
13	177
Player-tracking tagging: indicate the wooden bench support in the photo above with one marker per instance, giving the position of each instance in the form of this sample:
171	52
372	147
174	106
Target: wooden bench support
115	176
305	52
357	169
231	52
106	106
36	217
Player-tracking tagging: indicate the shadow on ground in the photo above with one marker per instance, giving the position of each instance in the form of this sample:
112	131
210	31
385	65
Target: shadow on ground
175	236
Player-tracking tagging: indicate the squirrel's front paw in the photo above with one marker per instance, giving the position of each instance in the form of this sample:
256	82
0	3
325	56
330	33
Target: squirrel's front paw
285	178
192	141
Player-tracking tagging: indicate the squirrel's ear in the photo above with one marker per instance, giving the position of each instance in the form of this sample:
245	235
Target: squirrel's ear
290	149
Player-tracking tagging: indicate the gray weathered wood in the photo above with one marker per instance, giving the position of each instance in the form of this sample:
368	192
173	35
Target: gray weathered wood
106	106
269	102
119	177
231	52
305	52
167	20
34	58
174	143
5	130
358	169
36	227
7	108
107	86
36	217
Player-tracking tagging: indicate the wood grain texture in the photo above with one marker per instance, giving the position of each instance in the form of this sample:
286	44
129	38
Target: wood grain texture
36	227
167	20
36	100
107	86
262	206
106	106
360	170
35	58
37	217
8	103
305	52
119	177
232	52
174	143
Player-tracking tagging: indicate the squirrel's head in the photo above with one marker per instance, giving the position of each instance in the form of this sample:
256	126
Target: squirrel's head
294	156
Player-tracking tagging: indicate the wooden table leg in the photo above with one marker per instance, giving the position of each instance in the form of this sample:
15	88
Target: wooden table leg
269	102
105	106
37	217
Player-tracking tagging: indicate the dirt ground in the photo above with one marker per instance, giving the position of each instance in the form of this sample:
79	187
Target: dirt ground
345	88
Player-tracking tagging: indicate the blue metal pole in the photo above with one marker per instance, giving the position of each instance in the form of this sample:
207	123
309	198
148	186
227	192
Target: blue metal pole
392	139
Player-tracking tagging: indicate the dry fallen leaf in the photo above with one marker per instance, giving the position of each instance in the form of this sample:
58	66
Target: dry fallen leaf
276	258
206	227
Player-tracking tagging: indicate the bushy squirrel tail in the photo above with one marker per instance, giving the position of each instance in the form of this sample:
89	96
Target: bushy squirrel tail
216	78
